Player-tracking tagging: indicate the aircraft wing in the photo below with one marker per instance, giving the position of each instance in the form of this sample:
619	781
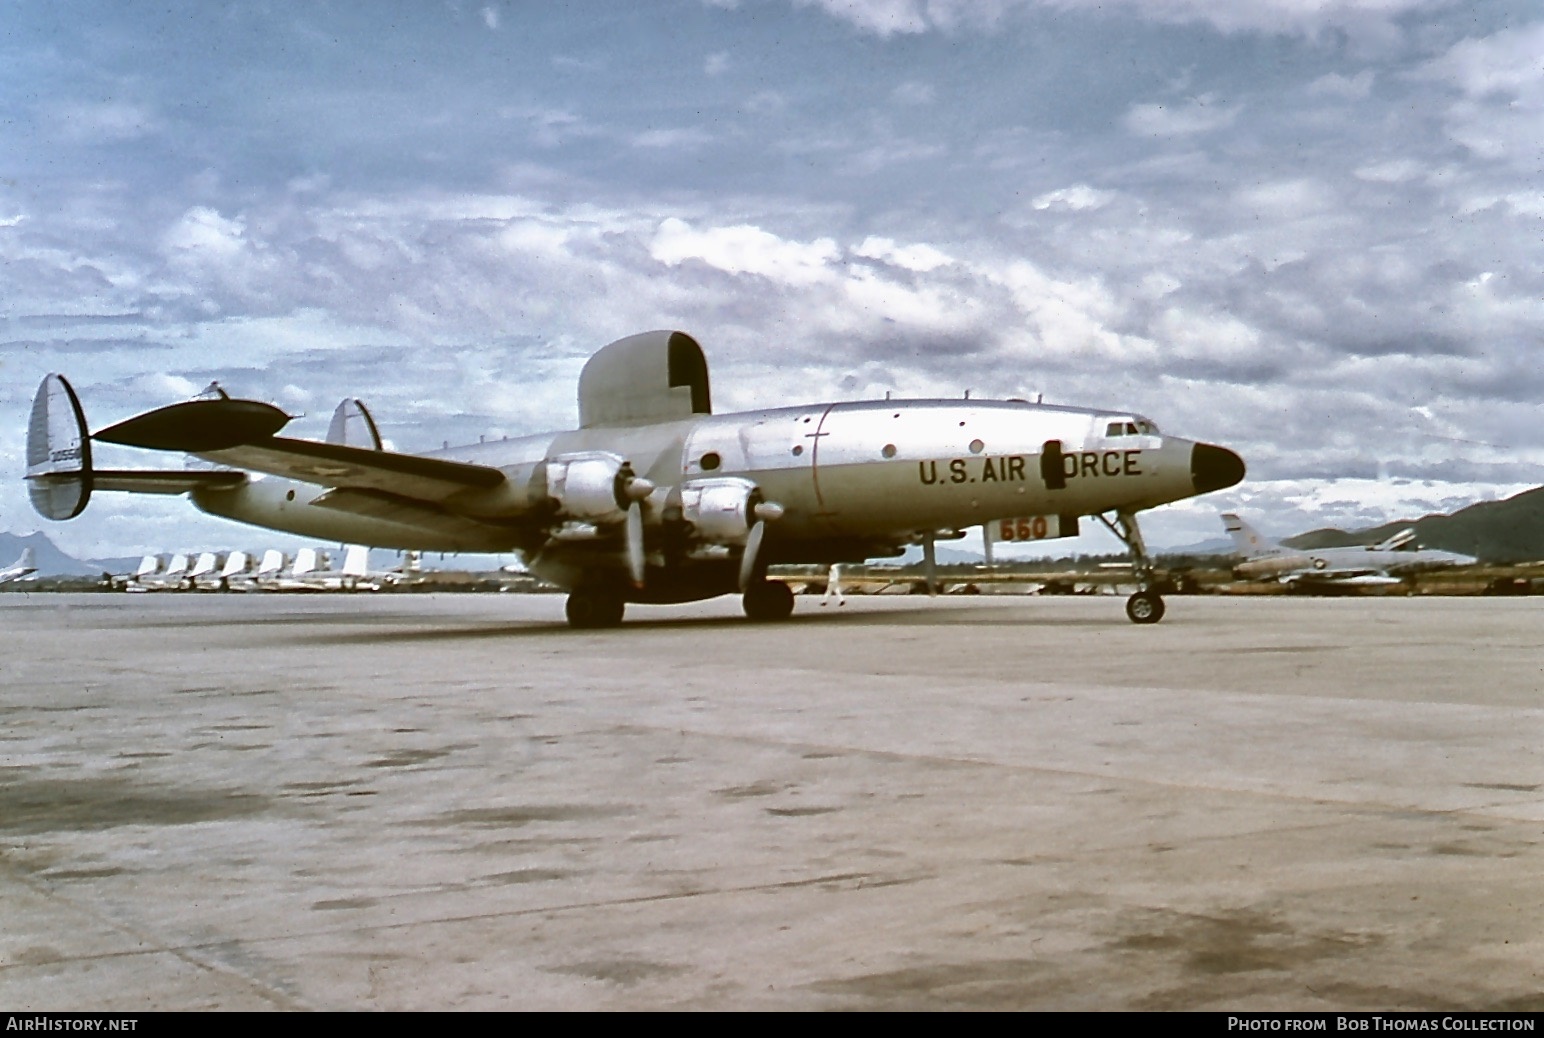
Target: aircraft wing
358	468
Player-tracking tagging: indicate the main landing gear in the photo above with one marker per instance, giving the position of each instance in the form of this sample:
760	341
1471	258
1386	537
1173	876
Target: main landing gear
590	610
768	600
1146	606
764	601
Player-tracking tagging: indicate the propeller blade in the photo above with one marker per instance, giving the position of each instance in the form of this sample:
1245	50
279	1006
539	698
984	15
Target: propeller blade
752	551
635	557
930	563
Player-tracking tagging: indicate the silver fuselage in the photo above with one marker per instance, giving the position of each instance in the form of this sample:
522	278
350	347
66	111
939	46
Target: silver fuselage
854	479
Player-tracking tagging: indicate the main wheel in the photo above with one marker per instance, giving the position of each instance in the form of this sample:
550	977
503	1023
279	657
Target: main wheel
768	600
1145	607
588	610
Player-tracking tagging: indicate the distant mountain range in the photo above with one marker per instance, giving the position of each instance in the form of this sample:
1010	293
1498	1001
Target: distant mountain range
51	562
1494	531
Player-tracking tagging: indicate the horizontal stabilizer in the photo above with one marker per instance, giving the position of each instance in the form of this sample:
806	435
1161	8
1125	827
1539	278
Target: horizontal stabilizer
173	481
1401	540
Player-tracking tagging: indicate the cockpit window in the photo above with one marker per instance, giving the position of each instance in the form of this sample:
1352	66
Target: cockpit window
1141	427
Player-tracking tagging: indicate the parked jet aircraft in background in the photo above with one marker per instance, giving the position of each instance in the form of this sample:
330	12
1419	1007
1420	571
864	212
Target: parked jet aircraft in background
1357	566
151	576
22	567
654	498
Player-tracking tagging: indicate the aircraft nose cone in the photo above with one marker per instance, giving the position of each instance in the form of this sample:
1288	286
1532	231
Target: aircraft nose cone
1214	468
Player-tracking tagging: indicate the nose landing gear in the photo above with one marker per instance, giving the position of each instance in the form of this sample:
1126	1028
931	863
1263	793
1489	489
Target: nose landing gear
1146	606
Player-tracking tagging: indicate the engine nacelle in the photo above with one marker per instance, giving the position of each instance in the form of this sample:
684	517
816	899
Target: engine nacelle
720	510
590	486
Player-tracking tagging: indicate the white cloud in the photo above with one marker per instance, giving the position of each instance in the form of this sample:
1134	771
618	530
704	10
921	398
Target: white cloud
203	230
1391	171
680	137
1286	199
915	93
1507	63
1194	115
164	386
1350	88
102	122
716	64
1371	21
1076	197
919	257
745	249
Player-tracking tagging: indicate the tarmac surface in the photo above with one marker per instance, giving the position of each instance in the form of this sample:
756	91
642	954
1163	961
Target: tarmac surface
455	802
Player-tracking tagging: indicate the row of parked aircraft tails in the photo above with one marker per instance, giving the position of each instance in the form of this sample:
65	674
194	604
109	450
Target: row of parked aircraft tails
308	570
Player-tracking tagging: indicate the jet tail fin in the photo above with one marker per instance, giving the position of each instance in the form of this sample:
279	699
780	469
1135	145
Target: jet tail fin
1249	542
28	559
356	560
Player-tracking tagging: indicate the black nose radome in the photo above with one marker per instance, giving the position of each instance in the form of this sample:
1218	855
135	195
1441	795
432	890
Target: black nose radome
1213	468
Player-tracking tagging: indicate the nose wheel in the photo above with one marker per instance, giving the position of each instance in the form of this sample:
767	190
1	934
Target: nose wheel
1146	606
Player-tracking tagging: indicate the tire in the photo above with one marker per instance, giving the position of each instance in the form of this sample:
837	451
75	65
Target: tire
590	611
1145	607
768	601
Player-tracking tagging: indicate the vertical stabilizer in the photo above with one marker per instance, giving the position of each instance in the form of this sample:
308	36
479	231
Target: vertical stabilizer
356	560
353	426
236	564
1248	541
58	452
207	563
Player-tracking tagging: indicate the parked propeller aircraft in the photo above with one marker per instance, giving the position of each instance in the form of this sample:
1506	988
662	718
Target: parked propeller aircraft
1374	565
25	566
654	498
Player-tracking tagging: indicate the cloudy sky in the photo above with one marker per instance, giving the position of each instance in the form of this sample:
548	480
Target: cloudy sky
1312	230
